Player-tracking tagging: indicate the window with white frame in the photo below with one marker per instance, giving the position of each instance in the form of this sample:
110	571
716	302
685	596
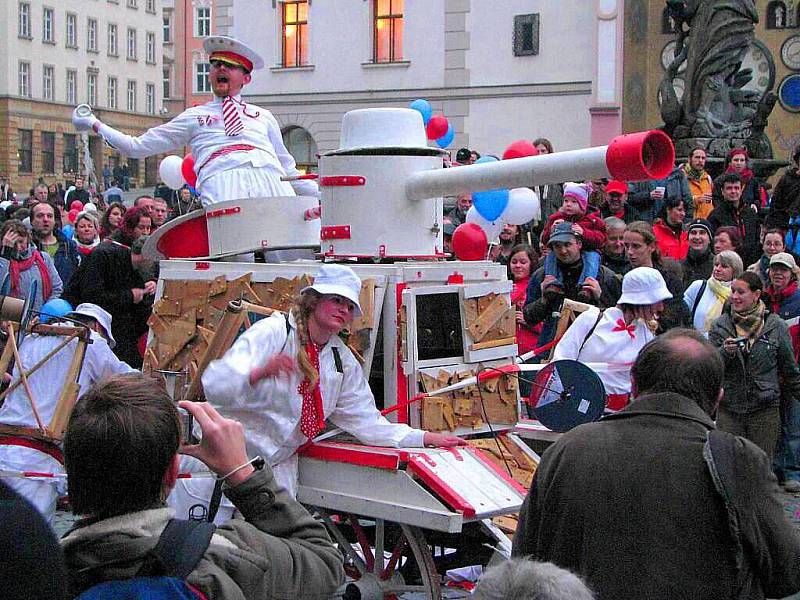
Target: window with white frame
151	48
202	21
112	92
131	43
48	19
24	79
131	95
91	35
150	98
72	86
72	30
48	75
165	81
91	89
112	40
201	83
167	30
150	6
24	20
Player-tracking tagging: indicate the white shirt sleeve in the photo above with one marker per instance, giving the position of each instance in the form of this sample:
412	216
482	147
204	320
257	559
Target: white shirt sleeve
100	361
356	412
570	345
302	187
169	136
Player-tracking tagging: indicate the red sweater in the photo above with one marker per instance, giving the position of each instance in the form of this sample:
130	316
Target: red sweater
672	245
527	336
594	228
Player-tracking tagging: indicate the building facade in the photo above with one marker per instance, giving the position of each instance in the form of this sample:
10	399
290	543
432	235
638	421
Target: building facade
774	58
106	53
499	71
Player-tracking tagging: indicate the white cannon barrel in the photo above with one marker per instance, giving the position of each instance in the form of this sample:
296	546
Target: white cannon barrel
631	157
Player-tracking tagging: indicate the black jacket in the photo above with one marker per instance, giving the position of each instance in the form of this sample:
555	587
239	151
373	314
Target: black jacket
726	215
697	265
785	200
629	503
675	314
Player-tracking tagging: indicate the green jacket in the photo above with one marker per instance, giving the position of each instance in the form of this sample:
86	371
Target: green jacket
753	380
277	551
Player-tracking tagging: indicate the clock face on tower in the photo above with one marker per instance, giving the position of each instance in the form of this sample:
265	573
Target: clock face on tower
790	53
758	58
668	55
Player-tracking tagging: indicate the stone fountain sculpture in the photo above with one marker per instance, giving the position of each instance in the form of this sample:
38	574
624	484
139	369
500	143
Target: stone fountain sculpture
716	111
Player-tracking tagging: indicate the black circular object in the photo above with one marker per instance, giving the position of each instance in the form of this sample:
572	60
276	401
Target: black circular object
567	393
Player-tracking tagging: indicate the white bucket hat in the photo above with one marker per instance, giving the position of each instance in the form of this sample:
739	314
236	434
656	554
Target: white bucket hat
642	286
338	280
98	314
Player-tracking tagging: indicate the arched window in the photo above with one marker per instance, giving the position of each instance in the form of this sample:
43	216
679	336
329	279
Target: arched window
776	15
668	24
302	147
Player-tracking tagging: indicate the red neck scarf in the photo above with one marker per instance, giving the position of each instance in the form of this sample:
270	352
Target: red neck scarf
15	267
746	174
312	416
776	297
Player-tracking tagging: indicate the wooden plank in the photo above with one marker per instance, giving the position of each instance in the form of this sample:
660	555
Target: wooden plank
488	318
432	414
218	286
449	415
493	343
180	330
167	308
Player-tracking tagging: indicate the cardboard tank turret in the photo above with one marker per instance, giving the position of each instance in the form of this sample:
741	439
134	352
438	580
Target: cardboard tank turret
427	323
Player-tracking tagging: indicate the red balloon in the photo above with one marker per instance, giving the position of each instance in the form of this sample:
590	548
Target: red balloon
73	214
437	127
519	149
76	205
469	242
187	170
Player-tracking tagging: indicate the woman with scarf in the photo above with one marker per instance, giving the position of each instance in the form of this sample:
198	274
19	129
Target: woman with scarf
672	240
772	243
759	365
753	191
86	236
25	265
705	299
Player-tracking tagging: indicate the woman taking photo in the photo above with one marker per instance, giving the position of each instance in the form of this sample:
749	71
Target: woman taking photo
25	265
112	219
705	299
672	239
521	263
757	351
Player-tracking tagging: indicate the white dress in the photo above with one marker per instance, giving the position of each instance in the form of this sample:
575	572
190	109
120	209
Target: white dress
46	385
243	173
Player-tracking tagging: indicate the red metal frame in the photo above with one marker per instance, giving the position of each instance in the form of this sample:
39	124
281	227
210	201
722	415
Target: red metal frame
223	212
402	382
457	502
365	456
335	232
343	181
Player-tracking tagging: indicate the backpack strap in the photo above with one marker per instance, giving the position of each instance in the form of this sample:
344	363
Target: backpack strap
180	547
591	331
697	298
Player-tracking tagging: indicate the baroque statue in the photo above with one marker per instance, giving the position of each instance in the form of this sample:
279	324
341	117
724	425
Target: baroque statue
712	38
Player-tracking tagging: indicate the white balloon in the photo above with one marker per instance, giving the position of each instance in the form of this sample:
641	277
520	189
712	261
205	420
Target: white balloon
170	171
90	207
491	228
523	206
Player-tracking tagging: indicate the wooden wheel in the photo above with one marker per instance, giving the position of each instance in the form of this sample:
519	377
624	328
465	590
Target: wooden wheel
384	559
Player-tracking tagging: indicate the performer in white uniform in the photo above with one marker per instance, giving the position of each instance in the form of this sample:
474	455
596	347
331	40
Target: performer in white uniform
237	147
615	336
46	385
262	381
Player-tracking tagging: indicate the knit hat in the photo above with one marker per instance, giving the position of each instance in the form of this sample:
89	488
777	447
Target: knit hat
577	192
643	286
701	224
338	280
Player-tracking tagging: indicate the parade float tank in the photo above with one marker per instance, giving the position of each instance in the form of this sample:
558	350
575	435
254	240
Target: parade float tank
436	337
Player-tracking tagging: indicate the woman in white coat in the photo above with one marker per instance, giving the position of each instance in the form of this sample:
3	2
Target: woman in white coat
705	298
284	380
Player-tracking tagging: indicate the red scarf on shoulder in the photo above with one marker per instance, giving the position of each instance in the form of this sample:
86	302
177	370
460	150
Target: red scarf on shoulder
15	267
776	298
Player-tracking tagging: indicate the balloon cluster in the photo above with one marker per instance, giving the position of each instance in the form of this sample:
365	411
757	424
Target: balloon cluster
437	127
492	209
176	172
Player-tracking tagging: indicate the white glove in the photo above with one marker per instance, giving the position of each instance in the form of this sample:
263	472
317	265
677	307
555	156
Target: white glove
83	123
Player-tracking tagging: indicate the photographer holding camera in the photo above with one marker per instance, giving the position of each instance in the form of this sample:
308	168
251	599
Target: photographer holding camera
121	456
757	350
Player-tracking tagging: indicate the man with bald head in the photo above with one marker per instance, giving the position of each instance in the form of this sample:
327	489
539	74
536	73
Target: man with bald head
640	504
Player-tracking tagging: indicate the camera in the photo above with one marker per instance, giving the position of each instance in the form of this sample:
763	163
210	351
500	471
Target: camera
741	341
187	424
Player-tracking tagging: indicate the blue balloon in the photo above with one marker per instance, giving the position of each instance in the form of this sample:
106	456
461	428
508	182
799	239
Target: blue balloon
68	230
191	189
447	138
54	309
424	108
486	159
490	205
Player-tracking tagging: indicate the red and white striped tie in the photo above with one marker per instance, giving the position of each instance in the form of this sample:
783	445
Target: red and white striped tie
230	116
